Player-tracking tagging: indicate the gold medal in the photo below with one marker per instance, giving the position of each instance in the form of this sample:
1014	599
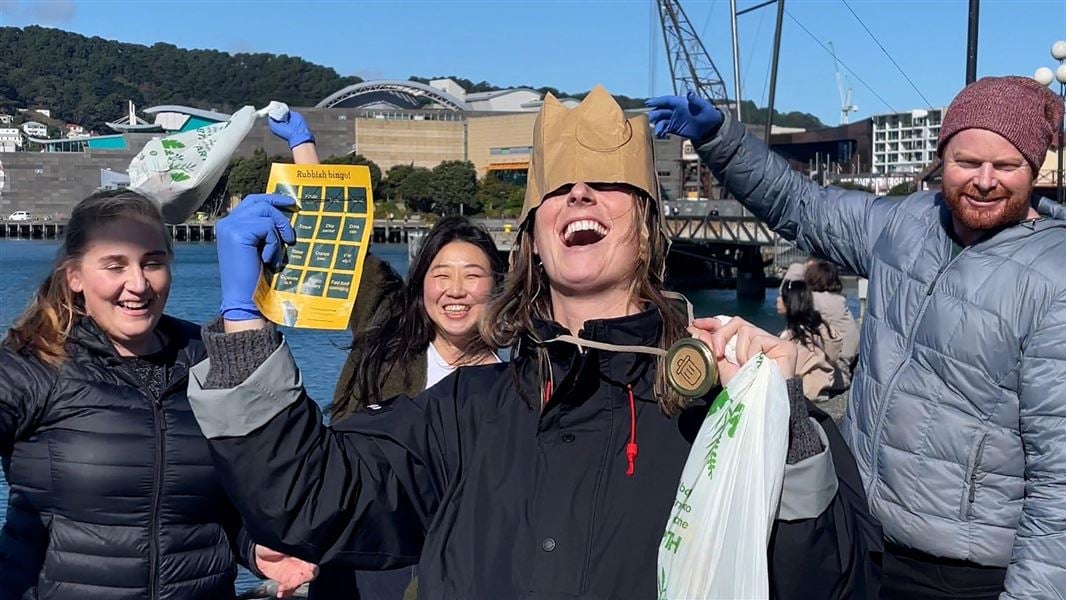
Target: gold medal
691	369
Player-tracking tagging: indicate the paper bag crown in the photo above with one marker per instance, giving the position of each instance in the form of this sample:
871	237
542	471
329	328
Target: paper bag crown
591	143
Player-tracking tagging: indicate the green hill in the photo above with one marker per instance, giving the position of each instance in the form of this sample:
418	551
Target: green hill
87	80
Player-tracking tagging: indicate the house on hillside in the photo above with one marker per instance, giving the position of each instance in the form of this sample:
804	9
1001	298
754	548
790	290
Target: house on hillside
35	129
10	139
76	131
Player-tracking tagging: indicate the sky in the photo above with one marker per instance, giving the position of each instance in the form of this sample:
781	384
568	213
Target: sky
575	44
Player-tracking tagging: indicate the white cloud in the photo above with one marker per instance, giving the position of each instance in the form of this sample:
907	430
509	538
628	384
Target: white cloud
38	12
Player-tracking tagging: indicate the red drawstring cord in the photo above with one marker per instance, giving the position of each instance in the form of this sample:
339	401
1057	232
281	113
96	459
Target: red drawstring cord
631	447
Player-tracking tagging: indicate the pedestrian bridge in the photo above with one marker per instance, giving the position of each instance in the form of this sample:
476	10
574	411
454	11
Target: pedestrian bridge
720	222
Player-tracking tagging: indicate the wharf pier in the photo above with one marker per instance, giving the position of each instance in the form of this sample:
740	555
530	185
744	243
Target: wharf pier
53	230
385	230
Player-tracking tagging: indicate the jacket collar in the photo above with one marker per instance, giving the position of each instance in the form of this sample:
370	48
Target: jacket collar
1052	216
621	369
87	337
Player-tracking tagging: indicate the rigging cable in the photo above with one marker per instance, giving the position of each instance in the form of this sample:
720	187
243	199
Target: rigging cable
846	67
879	45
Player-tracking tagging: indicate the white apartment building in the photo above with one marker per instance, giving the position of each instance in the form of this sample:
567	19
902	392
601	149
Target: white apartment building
35	129
905	142
10	139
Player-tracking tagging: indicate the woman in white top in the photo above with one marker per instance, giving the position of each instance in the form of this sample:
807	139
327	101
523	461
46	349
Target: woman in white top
418	331
407	336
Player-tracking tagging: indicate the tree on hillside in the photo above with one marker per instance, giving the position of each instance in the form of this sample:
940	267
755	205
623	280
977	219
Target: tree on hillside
499	198
416	189
88	80
454	185
358	159
755	115
249	175
390	184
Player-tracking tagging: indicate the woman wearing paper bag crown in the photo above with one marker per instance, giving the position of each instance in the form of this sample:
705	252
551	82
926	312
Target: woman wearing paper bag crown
551	476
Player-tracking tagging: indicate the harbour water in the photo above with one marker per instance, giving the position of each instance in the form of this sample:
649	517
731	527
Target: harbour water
194	296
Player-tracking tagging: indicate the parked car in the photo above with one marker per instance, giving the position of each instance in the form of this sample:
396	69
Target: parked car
19	215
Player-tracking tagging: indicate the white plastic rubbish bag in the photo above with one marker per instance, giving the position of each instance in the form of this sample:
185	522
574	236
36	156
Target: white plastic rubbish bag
179	171
715	542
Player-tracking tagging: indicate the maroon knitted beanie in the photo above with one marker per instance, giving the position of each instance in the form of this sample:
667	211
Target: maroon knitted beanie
1017	108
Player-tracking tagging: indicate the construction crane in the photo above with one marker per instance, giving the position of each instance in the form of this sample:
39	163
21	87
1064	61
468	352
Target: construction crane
691	68
846	106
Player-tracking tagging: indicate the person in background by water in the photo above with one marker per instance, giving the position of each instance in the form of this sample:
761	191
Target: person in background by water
406	337
819	345
112	492
823	279
520	479
957	411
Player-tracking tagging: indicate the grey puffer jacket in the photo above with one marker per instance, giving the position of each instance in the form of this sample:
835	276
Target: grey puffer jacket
958	406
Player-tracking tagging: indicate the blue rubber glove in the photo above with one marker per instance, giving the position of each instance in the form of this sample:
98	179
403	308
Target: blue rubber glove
293	129
252	234
690	117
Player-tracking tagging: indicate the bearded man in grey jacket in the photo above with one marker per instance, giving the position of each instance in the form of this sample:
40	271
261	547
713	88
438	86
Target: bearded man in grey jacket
957	415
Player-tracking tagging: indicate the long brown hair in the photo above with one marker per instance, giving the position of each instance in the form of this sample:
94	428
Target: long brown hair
44	326
525	297
406	329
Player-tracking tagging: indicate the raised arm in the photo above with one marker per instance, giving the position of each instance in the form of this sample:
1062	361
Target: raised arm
837	224
293	129
367	490
304	489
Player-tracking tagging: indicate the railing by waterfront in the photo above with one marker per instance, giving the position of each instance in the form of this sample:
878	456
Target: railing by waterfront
53	230
694	221
385	231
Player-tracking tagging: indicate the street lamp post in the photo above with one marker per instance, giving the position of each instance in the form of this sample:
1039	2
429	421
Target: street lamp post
1045	76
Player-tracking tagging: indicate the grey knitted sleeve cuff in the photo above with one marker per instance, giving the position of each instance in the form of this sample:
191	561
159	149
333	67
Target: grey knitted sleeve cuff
803	439
235	356
810	477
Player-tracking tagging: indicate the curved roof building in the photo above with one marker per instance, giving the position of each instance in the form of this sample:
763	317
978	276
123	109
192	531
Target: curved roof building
438	94
392	94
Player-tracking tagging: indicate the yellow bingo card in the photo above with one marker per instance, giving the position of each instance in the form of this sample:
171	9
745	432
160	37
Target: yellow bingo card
316	287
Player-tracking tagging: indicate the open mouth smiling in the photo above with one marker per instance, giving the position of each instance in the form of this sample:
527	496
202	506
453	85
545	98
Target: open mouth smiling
583	232
135	307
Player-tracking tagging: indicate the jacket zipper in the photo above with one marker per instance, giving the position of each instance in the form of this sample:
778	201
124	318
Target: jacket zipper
157	489
973	473
160	426
907	349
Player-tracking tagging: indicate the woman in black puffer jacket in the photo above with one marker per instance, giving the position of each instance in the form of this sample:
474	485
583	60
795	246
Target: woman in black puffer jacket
112	492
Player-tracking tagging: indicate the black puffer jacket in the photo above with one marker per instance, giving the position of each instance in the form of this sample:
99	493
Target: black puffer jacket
112	492
494	498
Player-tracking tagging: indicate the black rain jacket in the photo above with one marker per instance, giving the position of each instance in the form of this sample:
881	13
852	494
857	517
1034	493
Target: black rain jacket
493	497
